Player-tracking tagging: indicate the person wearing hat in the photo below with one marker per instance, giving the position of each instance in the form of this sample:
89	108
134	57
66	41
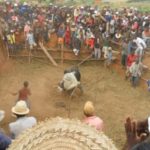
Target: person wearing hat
5	141
90	118
23	122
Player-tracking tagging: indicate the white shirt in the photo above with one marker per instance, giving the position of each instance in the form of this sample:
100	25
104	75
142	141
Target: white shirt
135	69
70	81
140	43
21	125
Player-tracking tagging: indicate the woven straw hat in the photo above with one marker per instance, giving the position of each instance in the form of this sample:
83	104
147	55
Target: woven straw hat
89	108
62	134
20	108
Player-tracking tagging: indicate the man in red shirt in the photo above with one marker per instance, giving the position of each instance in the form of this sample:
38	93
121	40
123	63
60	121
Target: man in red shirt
130	59
24	92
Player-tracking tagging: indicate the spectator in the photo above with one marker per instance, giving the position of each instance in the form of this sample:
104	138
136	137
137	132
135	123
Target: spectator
137	133
141	45
135	73
97	49
124	53
90	118
30	39
5	141
24	93
20	110
130	59
108	57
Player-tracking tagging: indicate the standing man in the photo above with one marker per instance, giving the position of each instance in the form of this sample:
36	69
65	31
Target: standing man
124	53
135	73
24	93
30	39
20	110
130	59
141	45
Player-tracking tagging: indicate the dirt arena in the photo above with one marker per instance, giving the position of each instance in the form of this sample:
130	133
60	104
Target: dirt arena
113	97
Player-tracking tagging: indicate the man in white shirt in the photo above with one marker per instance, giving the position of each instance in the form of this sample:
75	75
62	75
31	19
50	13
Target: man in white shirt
135	73
141	45
20	110
71	80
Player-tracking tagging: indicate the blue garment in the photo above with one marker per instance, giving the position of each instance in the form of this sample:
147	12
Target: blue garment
148	83
108	18
5	141
109	56
129	47
61	32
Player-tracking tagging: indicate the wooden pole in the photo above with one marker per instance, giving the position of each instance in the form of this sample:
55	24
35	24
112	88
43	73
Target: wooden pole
47	54
29	56
62	55
8	55
84	60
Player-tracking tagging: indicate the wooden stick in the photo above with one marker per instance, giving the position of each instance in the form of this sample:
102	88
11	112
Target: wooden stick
62	55
84	60
8	55
47	54
29	56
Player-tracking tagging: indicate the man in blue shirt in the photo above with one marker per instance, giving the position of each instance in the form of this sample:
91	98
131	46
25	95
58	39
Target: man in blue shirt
5	141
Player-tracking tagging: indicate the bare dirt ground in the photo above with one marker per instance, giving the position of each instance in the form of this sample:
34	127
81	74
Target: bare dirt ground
113	97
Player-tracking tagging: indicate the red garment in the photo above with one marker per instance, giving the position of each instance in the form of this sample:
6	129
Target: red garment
41	19
91	43
67	36
135	26
23	94
130	59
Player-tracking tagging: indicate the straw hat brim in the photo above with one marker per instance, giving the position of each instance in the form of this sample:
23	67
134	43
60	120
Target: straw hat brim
20	113
62	134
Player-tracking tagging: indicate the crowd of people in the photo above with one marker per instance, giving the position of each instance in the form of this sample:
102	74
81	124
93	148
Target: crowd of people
76	27
85	27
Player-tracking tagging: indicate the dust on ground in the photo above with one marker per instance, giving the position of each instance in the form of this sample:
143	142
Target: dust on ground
113	97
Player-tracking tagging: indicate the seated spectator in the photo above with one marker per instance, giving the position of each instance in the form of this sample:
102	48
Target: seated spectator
5	141
20	110
90	118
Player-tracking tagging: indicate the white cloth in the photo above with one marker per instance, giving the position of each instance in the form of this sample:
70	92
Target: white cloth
135	69
105	51
70	81
140	43
21	125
